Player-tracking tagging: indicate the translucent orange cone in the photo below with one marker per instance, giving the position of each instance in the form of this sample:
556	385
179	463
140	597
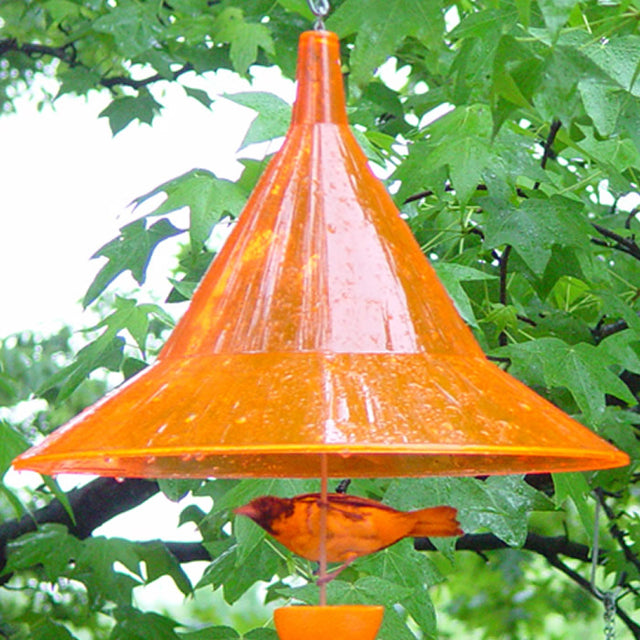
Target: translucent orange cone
320	328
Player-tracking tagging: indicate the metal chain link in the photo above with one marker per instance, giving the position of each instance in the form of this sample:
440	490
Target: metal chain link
320	9
608	598
609	601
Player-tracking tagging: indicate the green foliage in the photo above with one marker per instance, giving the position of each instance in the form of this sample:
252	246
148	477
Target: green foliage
130	251
208	199
273	116
107	350
382	28
513	149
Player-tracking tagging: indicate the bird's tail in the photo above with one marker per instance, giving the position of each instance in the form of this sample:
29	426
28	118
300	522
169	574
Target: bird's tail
435	522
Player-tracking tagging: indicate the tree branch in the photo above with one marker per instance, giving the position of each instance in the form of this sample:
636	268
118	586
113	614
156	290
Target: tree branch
93	504
602	330
67	53
543	545
125	81
188	551
626	245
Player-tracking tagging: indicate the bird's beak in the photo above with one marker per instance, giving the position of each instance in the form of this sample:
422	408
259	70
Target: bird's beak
247	510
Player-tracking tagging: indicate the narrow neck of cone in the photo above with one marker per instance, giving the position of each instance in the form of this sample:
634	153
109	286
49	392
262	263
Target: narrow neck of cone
320	95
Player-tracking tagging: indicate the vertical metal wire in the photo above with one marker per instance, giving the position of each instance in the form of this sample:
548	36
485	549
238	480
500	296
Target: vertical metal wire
324	504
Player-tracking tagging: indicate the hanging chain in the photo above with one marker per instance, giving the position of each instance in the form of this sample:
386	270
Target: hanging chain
609	602
608	598
320	9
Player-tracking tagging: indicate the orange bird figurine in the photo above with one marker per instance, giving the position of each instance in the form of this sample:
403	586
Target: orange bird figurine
355	526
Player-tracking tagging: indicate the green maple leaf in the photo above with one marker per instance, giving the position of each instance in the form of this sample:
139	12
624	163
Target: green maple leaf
160	562
401	564
134	27
580	368
274	115
218	632
134	318
556	13
50	546
452	275
619	58
126	109
244	38
535	226
130	251
138	625
618	154
460	141
44	628
381	26
95	568
208	198
12	443
366	590
107	349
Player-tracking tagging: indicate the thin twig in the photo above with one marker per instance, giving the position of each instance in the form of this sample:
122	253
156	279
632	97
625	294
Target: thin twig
448	187
343	485
626	245
548	146
504	262
138	84
616	532
602	330
65	52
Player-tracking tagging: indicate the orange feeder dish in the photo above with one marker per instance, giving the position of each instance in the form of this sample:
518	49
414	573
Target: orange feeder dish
344	622
319	338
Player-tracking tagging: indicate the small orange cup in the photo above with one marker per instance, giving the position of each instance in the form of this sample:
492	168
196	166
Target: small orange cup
344	622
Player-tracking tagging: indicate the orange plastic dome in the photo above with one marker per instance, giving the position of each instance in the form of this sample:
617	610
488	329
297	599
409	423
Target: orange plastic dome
320	328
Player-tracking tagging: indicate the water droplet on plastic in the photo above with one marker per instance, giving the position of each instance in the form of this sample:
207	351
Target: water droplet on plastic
150	459
119	479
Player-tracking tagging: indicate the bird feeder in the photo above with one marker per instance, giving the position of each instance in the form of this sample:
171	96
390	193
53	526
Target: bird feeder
320	335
